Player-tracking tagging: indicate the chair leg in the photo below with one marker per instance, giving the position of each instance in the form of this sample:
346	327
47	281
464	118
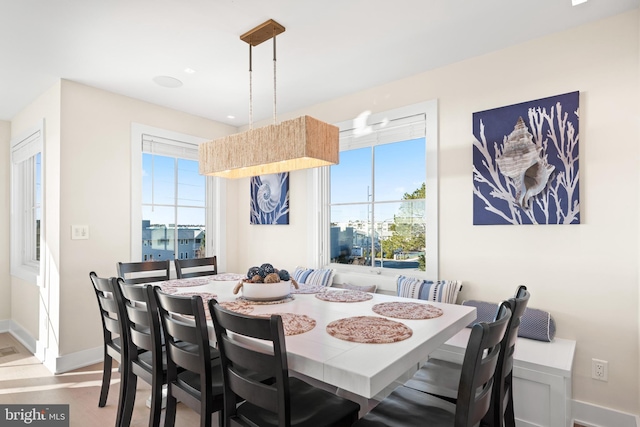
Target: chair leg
106	380
509	416
170	411
128	400
156	402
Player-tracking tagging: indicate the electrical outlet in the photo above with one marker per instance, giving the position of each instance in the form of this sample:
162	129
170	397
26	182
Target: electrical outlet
599	369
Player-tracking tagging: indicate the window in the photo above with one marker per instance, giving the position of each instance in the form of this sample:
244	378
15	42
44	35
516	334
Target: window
27	206
173	196
379	203
170	200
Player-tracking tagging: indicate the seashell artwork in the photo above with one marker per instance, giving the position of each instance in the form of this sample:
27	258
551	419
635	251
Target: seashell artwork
525	162
269	193
522	162
270	199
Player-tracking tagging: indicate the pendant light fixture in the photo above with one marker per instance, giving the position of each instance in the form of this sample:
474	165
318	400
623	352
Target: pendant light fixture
300	143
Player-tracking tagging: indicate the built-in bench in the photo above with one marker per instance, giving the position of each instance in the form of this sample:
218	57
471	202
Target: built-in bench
541	378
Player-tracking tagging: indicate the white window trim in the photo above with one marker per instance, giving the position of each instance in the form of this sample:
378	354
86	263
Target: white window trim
216	190
319	209
31	142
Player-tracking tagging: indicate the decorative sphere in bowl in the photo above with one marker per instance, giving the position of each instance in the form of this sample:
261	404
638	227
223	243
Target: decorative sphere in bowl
266	291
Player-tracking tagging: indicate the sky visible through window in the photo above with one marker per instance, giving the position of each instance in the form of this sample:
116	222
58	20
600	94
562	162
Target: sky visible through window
159	189
399	169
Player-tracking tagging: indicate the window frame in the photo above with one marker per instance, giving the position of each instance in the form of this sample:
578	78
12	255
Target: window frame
25	148
321	189
215	194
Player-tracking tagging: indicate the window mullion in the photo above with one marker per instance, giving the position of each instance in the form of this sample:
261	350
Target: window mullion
175	207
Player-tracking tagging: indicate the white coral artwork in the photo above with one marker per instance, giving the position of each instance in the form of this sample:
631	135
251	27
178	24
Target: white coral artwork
270	199
525	163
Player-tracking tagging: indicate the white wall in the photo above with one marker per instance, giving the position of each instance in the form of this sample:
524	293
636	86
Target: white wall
5	196
284	246
27	299
95	191
87	167
585	275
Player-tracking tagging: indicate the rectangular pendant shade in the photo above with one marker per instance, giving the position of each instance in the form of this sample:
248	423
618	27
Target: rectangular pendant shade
300	143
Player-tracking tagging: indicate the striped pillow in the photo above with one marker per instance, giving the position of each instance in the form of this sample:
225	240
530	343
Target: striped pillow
320	277
300	274
534	324
441	291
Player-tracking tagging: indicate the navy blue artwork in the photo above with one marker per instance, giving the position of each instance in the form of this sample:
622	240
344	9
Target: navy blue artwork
525	163
270	199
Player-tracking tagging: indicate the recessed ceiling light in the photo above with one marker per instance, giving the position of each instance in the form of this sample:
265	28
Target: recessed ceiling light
189	70
231	117
577	2
166	81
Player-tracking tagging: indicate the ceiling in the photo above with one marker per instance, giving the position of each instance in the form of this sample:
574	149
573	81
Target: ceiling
330	47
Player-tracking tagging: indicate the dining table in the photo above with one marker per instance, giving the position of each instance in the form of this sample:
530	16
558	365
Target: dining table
359	366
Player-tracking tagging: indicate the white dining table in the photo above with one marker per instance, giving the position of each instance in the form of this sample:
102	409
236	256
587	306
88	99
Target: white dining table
358	368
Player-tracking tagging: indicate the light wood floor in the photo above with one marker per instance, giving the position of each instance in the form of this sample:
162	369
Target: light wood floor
24	380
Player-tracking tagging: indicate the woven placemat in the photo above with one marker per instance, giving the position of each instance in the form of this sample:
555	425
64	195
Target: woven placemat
407	310
344	296
294	324
369	330
288	298
237	306
169	289
226	277
183	283
307	289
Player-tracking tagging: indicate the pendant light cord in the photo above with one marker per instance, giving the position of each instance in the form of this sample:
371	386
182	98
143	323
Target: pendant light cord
274	79
250	91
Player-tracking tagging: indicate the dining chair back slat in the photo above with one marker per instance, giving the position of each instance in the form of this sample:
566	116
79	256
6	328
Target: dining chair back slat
144	272
145	359
193	371
501	408
406	406
282	401
114	336
441	378
196	267
479	367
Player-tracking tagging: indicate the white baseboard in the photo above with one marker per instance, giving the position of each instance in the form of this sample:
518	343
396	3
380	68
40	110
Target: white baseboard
79	359
19	333
59	364
590	415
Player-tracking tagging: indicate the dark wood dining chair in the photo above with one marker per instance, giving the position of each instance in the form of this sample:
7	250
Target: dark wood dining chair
284	402
441	378
195	267
146	358
114	336
194	376
144	272
406	406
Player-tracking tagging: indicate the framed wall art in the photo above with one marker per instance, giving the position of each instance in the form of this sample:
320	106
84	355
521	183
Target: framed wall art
525	163
270	199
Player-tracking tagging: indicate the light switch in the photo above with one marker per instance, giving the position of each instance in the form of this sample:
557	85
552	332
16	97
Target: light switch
79	232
